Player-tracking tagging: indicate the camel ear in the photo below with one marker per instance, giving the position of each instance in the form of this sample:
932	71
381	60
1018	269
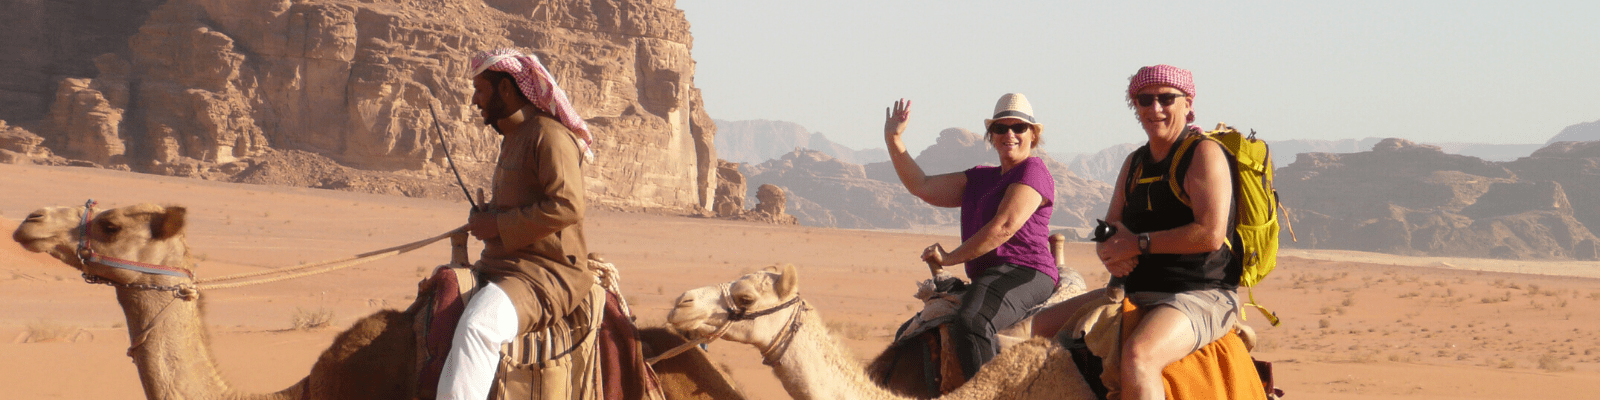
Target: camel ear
167	224
788	283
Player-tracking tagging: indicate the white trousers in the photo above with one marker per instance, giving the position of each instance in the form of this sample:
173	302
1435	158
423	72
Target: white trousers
489	322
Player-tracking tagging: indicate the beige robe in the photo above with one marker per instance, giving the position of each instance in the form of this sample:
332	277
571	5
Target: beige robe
540	258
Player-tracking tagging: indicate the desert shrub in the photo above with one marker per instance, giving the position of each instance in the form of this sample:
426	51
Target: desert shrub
849	329
45	331
305	320
1552	363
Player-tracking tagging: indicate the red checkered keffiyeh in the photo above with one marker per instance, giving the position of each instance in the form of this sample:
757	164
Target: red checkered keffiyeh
538	86
1163	74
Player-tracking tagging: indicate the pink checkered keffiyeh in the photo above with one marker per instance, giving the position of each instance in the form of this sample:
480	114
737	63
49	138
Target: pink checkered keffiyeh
538	86
1163	74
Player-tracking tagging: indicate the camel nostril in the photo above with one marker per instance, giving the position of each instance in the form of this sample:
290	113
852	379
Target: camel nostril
35	217
685	302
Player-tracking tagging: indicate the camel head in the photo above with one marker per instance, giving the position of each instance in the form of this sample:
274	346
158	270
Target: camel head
144	233
769	297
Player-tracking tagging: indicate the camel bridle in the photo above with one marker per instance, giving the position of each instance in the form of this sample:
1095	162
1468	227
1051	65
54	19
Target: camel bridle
87	256
736	314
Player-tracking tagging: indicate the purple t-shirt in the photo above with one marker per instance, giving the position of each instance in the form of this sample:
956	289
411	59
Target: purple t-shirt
1029	247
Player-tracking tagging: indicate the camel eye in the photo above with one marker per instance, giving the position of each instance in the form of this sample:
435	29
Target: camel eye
110	228
744	300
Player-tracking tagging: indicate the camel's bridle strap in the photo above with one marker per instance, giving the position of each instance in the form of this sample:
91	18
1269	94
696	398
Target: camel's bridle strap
87	255
737	314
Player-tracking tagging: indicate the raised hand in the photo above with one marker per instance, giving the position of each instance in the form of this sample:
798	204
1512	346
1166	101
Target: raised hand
935	254
894	118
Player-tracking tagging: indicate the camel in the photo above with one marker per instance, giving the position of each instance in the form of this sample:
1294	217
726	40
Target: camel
374	359
902	367
764	309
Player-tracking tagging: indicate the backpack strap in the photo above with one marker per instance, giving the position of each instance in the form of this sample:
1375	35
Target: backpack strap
1179	170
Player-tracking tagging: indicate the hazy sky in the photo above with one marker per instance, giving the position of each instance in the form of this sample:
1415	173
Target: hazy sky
1437	71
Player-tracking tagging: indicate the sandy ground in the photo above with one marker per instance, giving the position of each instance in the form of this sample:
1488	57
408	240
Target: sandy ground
1357	325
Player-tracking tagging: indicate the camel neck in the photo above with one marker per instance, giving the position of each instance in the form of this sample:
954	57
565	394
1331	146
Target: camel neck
174	357
816	366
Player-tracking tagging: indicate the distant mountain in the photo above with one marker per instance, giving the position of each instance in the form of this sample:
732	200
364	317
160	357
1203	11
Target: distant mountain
1492	152
1583	132
1079	200
756	141
1407	198
1104	165
824	191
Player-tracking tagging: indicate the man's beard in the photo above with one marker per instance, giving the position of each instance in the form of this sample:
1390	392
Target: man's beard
495	110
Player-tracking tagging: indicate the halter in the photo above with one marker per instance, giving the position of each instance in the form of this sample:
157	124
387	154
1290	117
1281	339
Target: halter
775	350
87	256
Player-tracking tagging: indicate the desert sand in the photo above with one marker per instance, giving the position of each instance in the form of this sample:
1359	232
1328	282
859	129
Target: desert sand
1356	325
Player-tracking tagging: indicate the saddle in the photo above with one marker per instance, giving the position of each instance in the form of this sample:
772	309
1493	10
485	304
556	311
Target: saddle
592	354
1222	369
924	339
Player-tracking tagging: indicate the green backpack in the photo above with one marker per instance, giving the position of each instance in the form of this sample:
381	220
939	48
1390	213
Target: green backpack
1255	239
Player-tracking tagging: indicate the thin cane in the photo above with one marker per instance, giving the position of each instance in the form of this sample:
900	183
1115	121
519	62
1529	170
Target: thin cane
450	160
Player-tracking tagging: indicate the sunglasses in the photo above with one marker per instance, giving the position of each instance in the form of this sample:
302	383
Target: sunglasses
1146	100
1001	129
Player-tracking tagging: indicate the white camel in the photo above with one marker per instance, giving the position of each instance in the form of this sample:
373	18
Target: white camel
764	309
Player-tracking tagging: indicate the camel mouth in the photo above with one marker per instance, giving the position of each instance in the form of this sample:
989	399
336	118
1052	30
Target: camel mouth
690	323
33	243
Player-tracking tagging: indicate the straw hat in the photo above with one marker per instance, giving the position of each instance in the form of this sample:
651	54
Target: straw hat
1014	106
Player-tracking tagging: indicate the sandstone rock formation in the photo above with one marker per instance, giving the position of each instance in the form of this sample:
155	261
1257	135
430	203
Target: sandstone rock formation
823	191
771	207
19	146
730	190
184	86
1575	166
1406	198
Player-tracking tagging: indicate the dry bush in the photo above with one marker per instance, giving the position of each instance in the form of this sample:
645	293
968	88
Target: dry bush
848	329
1506	363
1324	323
47	331
1364	357
1266	344
1552	363
1408	295
305	320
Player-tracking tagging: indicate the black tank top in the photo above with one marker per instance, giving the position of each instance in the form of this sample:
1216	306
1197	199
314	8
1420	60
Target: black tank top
1150	205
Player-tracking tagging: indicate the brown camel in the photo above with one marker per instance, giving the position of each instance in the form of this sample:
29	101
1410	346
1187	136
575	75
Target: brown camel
374	359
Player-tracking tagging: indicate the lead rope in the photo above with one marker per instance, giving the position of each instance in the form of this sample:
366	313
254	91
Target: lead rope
308	269
144	332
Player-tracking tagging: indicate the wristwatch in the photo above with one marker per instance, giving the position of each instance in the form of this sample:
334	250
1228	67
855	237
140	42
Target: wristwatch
1144	243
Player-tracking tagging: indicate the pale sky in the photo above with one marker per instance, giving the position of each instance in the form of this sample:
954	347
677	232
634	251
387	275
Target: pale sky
1434	71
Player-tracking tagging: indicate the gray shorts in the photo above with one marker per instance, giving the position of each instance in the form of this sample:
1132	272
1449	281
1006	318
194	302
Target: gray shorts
1211	312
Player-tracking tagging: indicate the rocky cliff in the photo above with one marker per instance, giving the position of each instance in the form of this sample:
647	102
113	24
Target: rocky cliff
189	87
1407	198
